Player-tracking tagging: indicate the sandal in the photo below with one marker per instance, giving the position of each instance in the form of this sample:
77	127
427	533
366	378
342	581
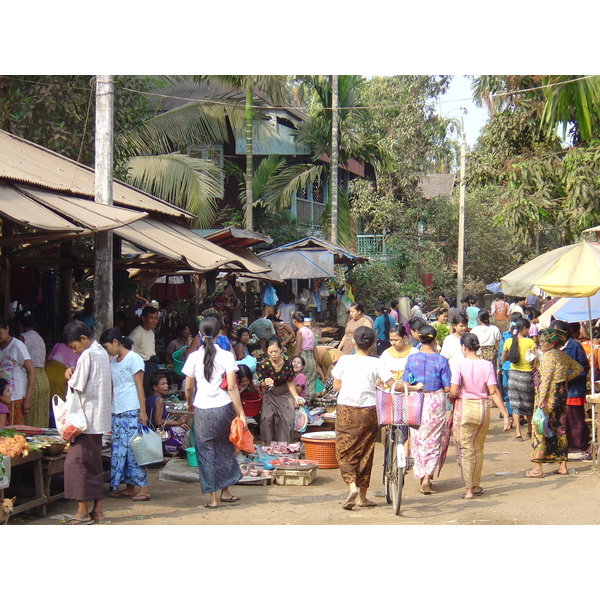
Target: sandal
141	498
528	475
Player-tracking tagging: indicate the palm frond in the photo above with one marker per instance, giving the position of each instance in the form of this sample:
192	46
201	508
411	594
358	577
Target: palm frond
191	183
283	187
198	122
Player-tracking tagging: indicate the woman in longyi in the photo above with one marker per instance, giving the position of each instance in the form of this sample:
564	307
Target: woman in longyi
556	369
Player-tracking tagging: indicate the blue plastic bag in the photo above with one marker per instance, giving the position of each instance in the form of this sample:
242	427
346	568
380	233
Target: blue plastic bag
539	422
269	295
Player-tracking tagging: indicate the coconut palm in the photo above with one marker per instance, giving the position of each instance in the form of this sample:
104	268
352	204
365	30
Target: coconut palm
316	134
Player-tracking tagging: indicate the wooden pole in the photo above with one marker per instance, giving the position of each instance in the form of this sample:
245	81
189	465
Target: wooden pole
249	166
461	219
103	273
335	156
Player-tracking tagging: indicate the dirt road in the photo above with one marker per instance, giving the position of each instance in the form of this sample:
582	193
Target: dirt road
509	498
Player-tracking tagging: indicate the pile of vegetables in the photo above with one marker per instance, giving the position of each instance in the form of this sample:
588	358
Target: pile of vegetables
12	443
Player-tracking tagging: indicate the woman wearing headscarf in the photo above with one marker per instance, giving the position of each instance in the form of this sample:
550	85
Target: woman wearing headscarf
556	369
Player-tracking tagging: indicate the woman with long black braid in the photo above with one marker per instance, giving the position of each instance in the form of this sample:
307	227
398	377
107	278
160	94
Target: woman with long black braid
214	409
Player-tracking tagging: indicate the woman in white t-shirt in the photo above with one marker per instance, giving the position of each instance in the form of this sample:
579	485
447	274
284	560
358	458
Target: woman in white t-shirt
488	337
128	412
216	402
394	357
451	346
16	366
355	377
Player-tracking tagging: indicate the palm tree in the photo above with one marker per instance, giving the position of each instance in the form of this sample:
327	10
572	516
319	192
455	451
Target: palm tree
316	133
158	165
274	88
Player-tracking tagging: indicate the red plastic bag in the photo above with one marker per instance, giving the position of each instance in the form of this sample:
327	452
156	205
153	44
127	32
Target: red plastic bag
242	440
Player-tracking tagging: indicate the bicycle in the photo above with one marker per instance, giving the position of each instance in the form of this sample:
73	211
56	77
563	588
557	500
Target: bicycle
395	464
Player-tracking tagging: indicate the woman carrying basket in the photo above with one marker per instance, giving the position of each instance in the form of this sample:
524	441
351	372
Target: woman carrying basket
473	380
355	377
433	372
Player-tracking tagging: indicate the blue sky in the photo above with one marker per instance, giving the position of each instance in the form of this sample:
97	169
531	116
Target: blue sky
459	97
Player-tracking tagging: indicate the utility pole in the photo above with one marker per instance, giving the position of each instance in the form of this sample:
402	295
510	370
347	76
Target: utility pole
335	158
103	273
461	218
249	166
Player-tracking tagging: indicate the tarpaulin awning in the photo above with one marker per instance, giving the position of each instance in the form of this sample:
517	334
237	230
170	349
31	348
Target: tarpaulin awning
306	263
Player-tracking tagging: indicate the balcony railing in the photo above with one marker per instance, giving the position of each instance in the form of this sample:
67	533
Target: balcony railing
371	245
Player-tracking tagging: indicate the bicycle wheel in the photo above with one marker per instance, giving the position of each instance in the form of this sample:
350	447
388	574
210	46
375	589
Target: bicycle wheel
396	470
388	453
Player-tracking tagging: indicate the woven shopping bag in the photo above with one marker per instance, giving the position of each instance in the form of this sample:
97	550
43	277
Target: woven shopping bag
394	408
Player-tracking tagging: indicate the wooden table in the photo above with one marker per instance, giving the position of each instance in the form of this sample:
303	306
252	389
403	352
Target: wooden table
52	465
39	501
594	399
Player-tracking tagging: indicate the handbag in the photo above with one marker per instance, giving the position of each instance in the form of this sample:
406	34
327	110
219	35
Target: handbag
146	446
395	408
69	416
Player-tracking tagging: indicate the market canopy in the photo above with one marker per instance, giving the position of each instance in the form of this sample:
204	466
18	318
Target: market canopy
47	211
309	258
183	246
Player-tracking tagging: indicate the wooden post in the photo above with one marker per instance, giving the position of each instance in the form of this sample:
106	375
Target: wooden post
461	220
103	273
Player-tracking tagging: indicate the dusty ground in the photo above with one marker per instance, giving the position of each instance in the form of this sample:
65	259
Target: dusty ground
509	498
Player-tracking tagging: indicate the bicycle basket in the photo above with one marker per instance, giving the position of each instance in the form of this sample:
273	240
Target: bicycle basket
399	408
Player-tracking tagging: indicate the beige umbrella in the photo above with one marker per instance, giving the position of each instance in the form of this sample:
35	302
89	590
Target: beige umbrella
569	272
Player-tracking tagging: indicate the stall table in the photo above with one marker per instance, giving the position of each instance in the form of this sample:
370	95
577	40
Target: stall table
35	460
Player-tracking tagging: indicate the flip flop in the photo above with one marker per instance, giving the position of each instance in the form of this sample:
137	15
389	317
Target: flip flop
141	498
232	499
210	506
370	504
117	494
350	501
557	472
479	493
528	475
74	521
464	497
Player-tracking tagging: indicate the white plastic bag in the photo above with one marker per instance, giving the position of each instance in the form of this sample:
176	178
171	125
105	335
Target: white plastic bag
69	416
4	471
146	446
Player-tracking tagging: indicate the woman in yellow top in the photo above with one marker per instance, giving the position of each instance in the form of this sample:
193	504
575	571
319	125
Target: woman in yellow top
521	390
394	357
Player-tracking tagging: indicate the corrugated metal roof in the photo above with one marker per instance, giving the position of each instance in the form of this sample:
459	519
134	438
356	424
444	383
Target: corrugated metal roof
341	254
25	162
51	212
232	237
180	244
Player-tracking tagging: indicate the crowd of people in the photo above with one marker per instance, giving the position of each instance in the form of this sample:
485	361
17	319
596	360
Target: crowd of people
462	359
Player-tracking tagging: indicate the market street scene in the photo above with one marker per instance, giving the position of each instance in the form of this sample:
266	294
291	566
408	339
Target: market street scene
299	300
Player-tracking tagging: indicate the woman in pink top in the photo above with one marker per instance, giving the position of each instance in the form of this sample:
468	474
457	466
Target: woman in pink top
307	349
473	380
